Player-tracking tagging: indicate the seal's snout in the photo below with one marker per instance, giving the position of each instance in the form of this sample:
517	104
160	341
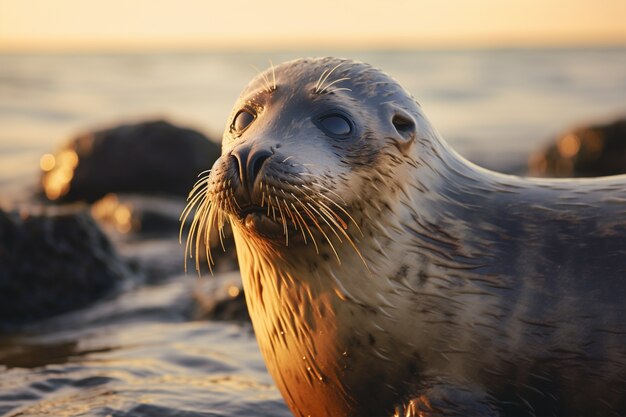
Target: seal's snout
249	163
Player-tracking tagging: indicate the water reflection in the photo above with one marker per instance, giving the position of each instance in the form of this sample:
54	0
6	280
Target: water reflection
58	172
20	352
137	355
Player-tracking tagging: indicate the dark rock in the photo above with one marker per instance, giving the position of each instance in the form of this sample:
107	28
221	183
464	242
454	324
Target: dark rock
51	263
144	229
149	157
145	215
220	297
590	151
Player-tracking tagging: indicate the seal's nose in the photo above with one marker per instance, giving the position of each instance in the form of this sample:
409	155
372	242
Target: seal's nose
250	162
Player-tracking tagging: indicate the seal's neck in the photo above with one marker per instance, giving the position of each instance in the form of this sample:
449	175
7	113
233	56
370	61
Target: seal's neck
317	314
294	310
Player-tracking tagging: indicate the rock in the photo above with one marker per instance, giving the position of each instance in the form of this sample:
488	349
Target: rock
144	229
51	263
146	215
590	151
149	157
220	297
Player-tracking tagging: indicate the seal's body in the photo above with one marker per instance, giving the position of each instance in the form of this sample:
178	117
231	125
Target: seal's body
385	274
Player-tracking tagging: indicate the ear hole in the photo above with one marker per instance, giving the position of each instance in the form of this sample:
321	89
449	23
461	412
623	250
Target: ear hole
404	125
405	129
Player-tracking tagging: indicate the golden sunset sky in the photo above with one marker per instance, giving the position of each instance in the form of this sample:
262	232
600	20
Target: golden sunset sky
246	24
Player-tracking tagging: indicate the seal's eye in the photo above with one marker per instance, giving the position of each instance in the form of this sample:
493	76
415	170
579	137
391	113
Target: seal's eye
242	121
335	125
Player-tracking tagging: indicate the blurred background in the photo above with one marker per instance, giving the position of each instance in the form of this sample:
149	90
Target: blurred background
108	109
497	79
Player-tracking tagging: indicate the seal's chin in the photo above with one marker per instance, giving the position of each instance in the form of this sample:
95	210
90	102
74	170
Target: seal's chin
256	220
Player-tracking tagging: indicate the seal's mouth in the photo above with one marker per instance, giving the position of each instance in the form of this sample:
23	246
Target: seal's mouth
287	211
259	220
250	209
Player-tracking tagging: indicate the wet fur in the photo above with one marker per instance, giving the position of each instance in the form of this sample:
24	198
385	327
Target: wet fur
464	292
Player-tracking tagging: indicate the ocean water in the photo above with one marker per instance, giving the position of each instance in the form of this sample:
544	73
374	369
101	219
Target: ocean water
494	106
141	353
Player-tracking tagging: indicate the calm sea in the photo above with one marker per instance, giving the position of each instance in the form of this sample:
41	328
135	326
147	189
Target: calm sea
140	354
494	106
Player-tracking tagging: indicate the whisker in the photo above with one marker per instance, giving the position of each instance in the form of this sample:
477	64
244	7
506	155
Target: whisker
206	171
190	237
332	83
339	89
319	81
203	174
301	226
317	225
269	199
282	216
196	192
192	199
293	220
187	210
325	220
200	180
233	204
343	210
328	213
326	217
266	81
337	217
325	188
207	240
273	74
347	237
201	229
328	75
356	249
307	228
220	227
198	187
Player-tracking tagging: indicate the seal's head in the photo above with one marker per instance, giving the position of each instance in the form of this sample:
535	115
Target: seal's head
299	148
318	167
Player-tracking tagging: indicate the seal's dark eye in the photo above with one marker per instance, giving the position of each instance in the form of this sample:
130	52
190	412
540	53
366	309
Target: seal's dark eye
242	121
335	125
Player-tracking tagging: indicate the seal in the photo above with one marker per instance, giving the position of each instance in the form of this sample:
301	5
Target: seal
386	275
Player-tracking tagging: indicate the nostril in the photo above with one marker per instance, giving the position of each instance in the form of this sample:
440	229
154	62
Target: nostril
249	163
255	163
239	162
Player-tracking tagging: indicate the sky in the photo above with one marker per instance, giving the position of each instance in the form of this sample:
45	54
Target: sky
259	24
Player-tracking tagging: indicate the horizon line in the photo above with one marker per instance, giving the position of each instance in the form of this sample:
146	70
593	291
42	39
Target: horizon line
389	44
